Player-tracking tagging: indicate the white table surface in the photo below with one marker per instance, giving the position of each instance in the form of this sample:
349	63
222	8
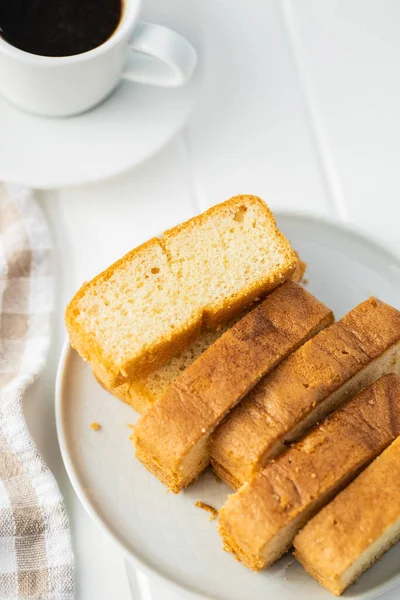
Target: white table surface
300	105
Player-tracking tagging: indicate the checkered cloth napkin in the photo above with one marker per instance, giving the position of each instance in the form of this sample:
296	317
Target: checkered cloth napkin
36	559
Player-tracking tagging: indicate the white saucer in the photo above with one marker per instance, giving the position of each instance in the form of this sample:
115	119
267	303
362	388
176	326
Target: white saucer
129	127
165	534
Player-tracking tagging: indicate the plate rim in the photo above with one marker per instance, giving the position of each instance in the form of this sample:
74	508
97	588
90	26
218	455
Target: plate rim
190	594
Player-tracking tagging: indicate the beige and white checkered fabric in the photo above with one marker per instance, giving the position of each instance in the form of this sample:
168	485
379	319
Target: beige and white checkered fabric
36	559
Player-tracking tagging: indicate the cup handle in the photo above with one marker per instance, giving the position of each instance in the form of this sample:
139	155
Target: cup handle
159	56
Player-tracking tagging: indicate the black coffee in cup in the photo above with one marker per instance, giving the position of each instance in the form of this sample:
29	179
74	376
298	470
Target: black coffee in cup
58	27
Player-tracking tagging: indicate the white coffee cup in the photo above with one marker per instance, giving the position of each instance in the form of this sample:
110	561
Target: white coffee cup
68	85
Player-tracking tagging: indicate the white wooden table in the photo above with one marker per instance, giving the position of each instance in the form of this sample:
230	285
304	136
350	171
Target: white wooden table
300	105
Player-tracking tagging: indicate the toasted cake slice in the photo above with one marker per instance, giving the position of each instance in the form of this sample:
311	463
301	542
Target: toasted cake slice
142	391
259	522
172	438
334	365
146	307
356	528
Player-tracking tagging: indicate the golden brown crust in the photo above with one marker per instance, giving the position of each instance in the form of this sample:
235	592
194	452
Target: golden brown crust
355	520
169	478
161	350
299	272
293	391
229	545
225	475
289	490
200	398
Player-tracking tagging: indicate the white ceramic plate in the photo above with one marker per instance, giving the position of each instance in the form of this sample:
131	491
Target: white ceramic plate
165	534
128	128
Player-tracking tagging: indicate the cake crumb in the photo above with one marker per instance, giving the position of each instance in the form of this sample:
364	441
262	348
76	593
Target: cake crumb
210	509
132	436
95	426
304	281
